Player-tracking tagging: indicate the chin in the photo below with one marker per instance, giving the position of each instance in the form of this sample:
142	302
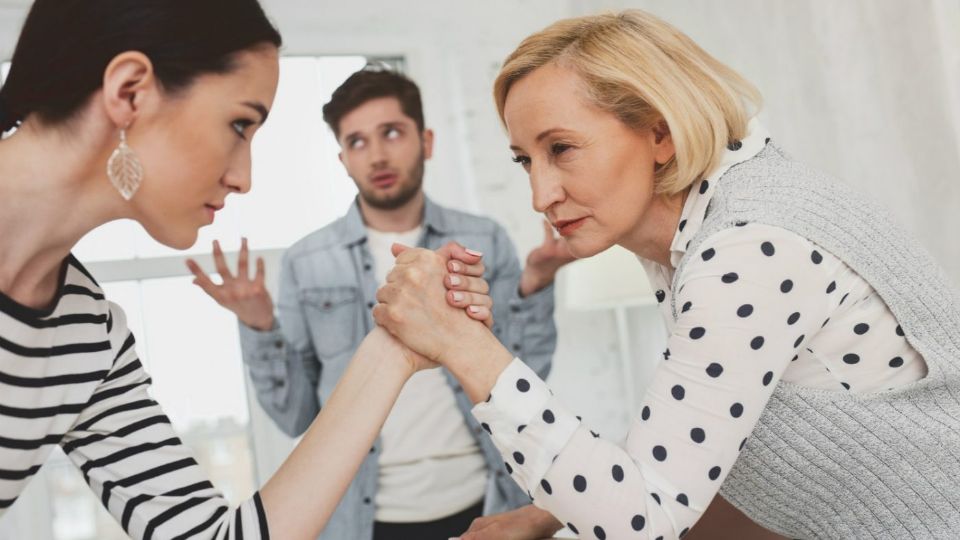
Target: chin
176	238
583	248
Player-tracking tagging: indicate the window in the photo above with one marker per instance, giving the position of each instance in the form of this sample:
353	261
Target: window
186	341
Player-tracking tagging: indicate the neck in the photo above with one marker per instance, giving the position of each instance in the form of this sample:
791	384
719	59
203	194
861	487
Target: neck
652	237
53	191
402	219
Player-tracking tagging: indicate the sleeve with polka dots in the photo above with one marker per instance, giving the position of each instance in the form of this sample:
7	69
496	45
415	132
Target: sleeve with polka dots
747	302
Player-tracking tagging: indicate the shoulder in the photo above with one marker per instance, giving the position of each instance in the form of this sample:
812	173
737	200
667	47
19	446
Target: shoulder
326	238
758	252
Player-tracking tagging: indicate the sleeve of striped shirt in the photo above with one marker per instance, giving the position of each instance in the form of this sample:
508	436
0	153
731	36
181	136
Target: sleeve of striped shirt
130	456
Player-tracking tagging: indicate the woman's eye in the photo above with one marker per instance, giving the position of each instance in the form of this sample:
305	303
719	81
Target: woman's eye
240	126
522	160
559	148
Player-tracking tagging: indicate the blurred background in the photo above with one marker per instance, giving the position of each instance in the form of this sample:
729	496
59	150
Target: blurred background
867	90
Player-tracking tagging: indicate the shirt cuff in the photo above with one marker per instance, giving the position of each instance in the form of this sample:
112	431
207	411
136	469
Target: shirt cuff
259	345
526	422
538	305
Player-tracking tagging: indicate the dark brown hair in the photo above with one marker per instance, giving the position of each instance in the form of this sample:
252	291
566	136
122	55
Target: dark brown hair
66	45
372	83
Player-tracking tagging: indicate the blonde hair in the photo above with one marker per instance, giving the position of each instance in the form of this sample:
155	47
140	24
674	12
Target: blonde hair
644	71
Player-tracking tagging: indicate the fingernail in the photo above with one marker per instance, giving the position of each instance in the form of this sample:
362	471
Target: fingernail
474	309
457	296
455	266
475	253
454	280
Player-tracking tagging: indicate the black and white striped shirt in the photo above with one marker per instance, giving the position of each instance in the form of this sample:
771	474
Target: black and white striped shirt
70	376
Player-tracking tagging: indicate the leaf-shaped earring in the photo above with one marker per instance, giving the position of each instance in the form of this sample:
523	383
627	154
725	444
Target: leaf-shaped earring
124	168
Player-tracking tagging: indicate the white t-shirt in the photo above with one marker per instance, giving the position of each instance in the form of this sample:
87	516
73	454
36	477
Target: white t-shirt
431	466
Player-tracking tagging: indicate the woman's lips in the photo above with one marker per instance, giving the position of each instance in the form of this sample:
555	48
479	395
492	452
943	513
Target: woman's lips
566	227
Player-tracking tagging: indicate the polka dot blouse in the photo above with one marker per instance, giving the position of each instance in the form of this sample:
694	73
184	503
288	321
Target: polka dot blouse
758	306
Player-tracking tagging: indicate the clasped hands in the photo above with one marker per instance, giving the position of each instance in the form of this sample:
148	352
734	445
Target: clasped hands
433	302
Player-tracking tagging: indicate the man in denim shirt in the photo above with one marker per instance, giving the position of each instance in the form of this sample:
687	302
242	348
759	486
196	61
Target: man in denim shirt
431	472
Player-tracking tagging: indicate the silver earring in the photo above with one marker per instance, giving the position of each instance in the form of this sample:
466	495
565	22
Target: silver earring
124	168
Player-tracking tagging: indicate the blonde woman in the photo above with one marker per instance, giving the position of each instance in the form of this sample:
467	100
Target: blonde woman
812	373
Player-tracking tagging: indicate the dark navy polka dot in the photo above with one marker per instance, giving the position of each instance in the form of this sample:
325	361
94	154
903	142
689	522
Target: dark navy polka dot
734	145
579	483
714	473
617	473
730	277
598	531
767	378
816	257
899	331
548	416
745	311
686	307
896	362
793	318
831	287
708	254
486	427
684	532
756	343
677	392
518	457
508	467
786	286
861	329
638	522
714	370
572	528
698	435
767	249
742	444
682	499
655	497
683	223
659	453
851	358
521	427
704	186
845	385
523	385
661	296
645	413
697	333
798	341
736	410
546	487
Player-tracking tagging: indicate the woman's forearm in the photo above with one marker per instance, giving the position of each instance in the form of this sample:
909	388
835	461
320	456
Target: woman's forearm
305	490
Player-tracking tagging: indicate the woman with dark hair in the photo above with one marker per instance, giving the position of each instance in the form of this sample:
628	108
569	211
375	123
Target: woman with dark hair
145	110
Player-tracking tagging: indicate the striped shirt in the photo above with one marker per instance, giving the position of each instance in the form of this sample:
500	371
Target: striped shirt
70	376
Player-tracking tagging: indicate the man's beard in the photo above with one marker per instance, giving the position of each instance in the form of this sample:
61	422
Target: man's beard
406	194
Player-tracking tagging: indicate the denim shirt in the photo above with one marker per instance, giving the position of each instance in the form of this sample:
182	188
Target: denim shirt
327	290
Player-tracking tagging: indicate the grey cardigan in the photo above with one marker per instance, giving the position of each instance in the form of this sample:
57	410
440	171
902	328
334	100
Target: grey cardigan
825	464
